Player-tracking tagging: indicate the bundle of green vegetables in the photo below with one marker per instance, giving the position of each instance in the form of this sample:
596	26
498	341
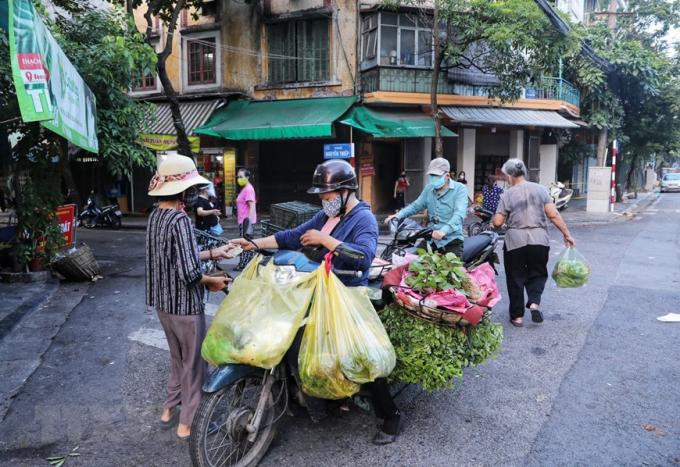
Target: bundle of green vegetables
434	356
571	269
433	272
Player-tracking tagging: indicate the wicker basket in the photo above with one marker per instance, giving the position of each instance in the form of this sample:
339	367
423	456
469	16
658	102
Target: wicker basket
437	316
78	265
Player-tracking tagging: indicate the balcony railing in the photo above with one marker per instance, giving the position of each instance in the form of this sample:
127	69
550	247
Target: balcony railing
556	89
390	79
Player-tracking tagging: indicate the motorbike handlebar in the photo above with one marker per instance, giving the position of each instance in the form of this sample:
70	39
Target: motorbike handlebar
348	252
346	272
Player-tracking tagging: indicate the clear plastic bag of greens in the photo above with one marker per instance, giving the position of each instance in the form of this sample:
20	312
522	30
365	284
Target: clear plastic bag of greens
571	270
344	343
257	322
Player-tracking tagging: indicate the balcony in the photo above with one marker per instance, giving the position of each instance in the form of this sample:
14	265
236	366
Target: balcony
548	93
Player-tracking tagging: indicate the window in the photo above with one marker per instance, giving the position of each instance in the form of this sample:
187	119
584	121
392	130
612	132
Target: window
298	51
147	82
369	37
210	8
405	40
201	63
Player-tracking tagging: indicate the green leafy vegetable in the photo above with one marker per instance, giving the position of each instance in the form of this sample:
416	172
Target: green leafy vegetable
435	272
434	356
571	270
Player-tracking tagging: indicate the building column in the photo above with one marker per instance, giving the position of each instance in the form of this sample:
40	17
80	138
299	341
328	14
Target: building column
465	160
548	157
517	144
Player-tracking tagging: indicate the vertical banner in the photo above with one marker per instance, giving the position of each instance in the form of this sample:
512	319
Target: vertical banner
48	87
229	164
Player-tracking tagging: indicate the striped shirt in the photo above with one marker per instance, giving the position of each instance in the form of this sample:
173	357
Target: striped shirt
173	268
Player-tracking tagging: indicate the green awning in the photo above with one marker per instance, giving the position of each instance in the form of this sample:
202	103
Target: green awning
283	119
393	123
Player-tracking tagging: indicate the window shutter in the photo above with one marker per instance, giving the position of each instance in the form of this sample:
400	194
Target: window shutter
313	43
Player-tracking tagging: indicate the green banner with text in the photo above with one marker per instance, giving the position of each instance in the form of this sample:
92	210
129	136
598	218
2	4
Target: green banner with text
48	86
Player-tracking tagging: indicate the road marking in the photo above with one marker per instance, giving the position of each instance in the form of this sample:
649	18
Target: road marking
151	337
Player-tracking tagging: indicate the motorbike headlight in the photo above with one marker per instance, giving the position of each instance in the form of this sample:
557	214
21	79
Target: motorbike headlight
285	274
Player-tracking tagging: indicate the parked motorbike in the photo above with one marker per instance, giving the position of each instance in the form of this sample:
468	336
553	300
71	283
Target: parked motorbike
92	216
484	223
560	195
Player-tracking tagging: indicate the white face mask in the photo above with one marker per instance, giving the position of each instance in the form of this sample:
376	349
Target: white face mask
332	207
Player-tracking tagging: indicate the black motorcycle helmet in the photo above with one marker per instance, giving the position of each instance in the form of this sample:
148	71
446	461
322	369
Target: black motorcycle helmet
333	175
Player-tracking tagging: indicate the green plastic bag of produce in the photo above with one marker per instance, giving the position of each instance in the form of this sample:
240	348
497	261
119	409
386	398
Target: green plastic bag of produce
344	343
571	270
257	322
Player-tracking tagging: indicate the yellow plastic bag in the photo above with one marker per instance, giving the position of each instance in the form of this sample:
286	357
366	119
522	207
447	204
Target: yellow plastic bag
344	343
257	322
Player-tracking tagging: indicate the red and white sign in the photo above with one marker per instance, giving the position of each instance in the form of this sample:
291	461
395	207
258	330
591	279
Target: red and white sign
32	69
67	221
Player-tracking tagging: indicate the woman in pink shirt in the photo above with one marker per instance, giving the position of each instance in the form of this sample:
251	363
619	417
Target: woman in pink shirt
245	209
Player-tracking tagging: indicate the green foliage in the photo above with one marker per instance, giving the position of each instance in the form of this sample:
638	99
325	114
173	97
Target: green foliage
433	271
110	54
434	356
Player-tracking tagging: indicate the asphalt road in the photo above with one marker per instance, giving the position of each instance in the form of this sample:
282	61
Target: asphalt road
596	384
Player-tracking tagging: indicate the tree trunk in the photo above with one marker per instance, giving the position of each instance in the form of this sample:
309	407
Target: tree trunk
434	107
602	148
183	145
67	175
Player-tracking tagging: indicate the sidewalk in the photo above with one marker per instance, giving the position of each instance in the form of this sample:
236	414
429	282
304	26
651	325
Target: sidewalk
576	213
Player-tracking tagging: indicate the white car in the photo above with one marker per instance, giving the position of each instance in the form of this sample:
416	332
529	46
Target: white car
670	182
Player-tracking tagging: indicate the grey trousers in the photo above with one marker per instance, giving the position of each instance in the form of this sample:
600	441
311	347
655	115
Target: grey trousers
187	369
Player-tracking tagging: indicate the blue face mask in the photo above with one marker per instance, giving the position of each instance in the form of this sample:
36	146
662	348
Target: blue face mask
437	181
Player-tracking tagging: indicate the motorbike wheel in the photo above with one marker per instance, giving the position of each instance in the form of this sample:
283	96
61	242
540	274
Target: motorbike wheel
475	229
218	432
116	222
89	222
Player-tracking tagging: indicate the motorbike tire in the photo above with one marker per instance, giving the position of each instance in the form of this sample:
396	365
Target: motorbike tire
475	228
89	222
116	222
231	427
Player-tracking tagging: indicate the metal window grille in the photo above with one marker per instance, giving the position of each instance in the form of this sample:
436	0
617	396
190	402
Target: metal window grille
298	51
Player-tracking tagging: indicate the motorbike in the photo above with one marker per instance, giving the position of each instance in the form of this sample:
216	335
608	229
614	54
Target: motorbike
560	195
107	216
237	419
484	223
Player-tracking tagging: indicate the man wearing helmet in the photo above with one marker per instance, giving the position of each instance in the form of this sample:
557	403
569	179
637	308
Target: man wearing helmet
343	219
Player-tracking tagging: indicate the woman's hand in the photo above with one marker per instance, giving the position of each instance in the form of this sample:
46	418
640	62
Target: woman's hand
438	235
569	241
313	238
389	218
223	251
215	284
247	245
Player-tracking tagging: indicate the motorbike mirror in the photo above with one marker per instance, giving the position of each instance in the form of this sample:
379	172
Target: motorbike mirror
348	252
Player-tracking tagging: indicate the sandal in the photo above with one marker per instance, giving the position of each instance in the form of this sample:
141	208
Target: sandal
536	315
517	322
174	418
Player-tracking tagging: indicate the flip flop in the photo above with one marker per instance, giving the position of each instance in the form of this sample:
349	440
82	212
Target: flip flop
174	416
517	322
536	316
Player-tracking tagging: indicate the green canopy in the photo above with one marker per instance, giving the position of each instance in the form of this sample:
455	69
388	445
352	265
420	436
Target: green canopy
283	119
392	123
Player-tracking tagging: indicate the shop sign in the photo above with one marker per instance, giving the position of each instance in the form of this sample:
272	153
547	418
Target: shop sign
229	163
167	142
367	168
48	87
338	151
67	221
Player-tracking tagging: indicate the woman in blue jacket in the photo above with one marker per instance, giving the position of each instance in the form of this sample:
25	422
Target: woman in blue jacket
343	219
